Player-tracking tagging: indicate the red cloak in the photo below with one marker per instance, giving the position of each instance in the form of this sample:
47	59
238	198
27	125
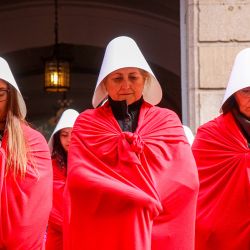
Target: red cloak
223	210
25	203
54	239
130	190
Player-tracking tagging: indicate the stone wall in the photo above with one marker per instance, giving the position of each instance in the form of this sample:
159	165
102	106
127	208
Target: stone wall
216	31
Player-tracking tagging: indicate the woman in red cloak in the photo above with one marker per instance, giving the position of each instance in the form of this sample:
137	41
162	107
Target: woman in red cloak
132	181
221	150
59	144
25	172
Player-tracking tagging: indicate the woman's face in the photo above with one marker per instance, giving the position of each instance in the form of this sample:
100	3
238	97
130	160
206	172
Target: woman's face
65	136
4	93
125	84
242	98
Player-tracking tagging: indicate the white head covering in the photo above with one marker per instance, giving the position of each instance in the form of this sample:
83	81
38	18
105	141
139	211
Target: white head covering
67	120
189	134
240	74
6	75
123	52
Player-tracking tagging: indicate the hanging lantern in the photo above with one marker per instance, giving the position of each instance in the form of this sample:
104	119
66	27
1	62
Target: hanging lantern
57	75
57	70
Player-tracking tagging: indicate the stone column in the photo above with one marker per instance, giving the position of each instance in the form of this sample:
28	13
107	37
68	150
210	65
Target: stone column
216	31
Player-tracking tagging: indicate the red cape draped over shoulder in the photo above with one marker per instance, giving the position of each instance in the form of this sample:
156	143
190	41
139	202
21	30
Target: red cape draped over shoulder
223	161
26	203
131	190
54	234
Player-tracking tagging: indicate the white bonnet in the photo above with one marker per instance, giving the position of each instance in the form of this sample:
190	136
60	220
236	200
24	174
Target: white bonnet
6	75
240	74
123	52
67	120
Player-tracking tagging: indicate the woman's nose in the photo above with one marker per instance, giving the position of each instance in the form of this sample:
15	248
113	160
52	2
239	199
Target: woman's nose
69	138
125	84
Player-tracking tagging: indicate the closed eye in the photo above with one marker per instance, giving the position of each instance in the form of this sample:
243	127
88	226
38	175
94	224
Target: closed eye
117	79
133	78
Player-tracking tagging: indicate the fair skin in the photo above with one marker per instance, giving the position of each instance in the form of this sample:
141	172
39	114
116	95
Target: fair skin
125	84
242	98
3	102
65	136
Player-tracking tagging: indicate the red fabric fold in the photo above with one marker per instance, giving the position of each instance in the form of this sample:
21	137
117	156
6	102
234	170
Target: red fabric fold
26	203
54	239
130	190
223	211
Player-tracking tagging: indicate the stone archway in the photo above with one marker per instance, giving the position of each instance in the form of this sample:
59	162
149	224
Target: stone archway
84	31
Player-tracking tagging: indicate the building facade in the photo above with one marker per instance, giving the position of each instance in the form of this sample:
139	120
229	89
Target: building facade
216	31
190	45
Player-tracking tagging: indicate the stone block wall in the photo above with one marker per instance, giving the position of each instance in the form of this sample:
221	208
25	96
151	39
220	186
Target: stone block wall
216	31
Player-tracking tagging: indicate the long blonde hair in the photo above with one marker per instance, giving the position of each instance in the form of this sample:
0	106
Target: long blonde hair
17	151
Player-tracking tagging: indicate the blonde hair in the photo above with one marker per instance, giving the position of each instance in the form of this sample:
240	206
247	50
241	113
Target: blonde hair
17	150
144	73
